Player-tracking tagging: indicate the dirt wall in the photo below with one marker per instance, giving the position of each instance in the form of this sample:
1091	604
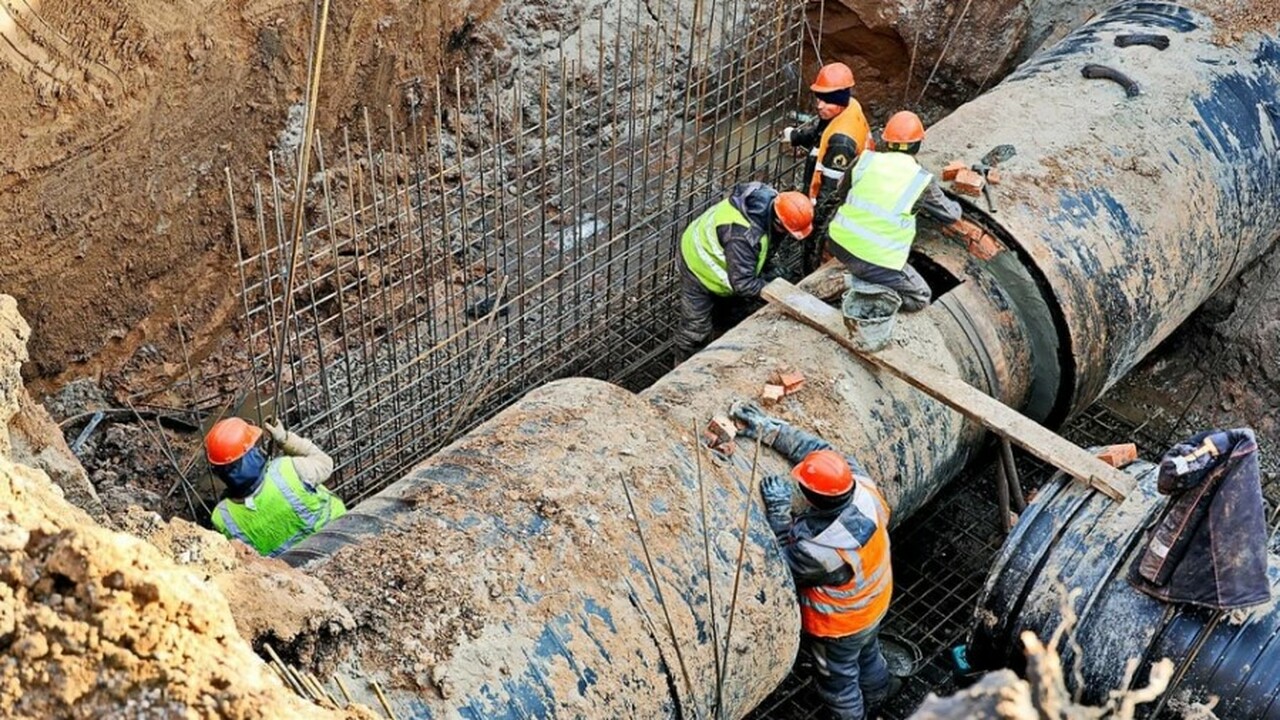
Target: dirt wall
119	117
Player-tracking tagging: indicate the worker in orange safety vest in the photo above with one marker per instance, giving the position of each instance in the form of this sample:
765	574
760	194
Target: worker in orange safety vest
834	142
838	553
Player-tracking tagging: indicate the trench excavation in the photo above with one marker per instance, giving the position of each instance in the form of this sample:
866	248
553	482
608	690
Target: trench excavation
1095	272
479	332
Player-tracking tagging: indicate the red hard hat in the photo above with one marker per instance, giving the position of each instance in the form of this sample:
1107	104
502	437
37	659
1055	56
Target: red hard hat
795	212
824	472
904	128
228	440
833	77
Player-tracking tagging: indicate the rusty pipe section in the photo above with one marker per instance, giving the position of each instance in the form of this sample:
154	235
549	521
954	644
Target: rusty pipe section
504	577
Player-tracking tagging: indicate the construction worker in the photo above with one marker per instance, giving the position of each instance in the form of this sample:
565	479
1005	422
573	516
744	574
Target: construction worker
835	142
838	552
269	505
725	255
874	228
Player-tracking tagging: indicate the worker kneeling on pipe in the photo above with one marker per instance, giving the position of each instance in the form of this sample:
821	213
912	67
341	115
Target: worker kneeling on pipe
269	505
838	552
874	229
726	252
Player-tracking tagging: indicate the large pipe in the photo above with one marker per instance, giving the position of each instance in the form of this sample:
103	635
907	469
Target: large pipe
1073	537
503	576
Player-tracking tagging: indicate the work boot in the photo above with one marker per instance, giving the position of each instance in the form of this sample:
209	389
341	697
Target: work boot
890	691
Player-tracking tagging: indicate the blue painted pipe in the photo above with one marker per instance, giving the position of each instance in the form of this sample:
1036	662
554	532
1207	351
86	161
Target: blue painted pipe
1073	537
503	577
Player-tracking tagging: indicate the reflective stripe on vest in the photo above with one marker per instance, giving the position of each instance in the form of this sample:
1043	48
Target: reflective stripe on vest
842	610
876	223
284	511
700	246
850	122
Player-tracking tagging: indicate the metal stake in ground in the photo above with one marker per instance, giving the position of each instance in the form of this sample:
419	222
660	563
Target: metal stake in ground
711	585
657	584
742	550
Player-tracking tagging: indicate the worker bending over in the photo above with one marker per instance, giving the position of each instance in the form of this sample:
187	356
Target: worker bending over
836	141
838	552
269	505
725	254
874	228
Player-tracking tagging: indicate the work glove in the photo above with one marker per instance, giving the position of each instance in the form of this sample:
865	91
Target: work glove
756	422
786	133
275	429
775	490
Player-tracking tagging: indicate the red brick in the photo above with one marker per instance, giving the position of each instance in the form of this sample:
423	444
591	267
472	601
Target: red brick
719	431
1118	456
771	393
984	247
968	182
993	176
955	166
792	382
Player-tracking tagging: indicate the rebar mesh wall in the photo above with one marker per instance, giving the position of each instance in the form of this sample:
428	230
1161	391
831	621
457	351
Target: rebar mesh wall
516	233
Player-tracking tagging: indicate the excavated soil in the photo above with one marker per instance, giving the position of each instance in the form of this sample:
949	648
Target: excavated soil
99	624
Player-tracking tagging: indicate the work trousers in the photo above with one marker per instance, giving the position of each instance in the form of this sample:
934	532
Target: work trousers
703	313
906	282
850	673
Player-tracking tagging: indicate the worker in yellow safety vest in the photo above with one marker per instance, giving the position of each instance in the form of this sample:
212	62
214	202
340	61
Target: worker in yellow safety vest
726	252
838	553
873	230
269	505
835	141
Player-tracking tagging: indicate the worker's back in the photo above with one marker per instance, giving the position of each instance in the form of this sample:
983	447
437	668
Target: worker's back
859	538
280	513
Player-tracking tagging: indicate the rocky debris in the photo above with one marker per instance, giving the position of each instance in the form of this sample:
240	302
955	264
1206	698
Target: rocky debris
77	397
269	600
27	433
128	468
104	625
893	49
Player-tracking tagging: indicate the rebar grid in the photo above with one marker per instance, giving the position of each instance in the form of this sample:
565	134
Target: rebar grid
515	233
940	561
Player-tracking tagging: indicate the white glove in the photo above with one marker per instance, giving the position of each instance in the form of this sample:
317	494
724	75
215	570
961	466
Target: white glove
786	133
276	429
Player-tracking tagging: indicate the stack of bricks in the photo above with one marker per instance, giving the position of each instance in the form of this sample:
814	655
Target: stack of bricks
783	382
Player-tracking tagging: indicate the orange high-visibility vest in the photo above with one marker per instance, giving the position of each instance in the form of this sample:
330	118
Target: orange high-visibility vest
849	122
843	610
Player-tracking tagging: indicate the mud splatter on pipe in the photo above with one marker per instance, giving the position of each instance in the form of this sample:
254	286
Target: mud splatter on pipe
502	579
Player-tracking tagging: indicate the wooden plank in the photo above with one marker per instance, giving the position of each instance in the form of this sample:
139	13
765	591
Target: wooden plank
971	402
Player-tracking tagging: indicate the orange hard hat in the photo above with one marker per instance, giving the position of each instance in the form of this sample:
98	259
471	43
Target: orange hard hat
904	128
228	440
824	472
795	211
833	77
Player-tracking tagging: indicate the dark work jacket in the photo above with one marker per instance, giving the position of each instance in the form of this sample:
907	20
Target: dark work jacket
742	244
1209	546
